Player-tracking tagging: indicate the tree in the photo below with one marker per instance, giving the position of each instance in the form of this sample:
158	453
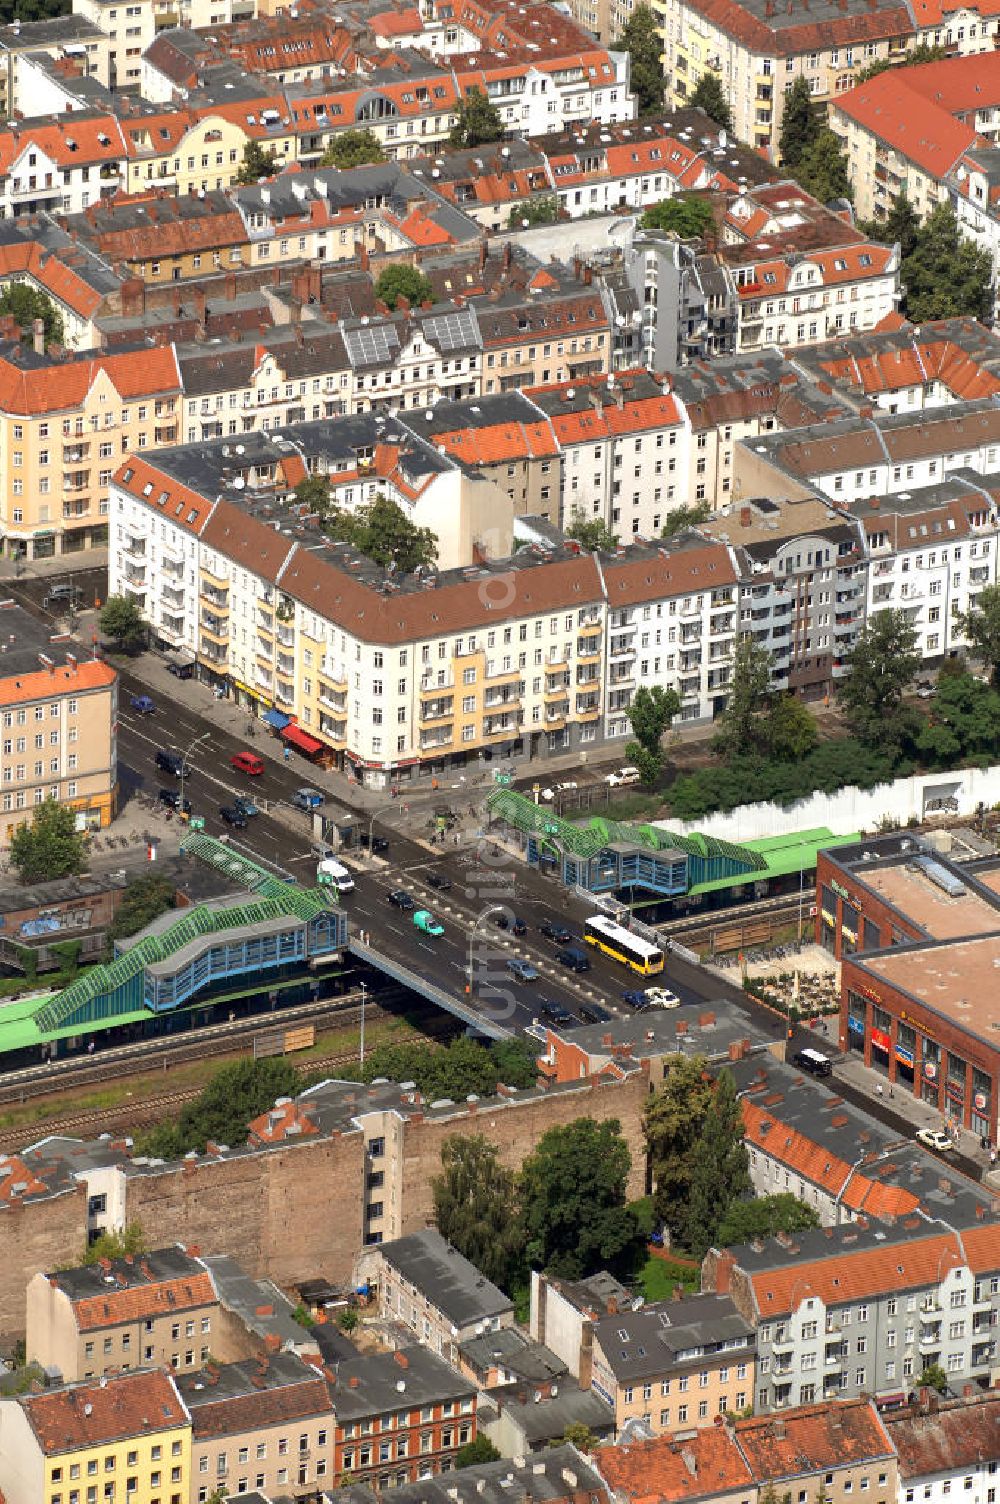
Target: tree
965	721
650	715
223	1111
534	211
741	725
822	169
592	532
945	275
764	1216
799	124
399	280
256	164
122	620
348	1319
923	52
578	1435
478	121
462	1067
900	226
313	493
475	1198
573	1199
115	1245
882	663
142	902
642	40
50	847
720	1167
474	1453
355	148
710	96
933	1377
26	304
383	533
672	1121
790	729
681	518
981	625
686	216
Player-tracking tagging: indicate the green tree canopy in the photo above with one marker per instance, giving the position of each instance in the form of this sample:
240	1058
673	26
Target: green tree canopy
923	52
542	210
223	1111
710	96
741	728
672	1121
122	620
115	1245
933	1377
642	40
578	1435
592	533
687	215
50	846
945	275
900	226
981	625
478	121
650	714
257	163
800	124
400	280
144	900
475	1199
474	1453
573	1199
790	732
313	493
822	169
883	662
26	304
680	518
462	1067
965	722
762	1217
354	148
719	1168
383	532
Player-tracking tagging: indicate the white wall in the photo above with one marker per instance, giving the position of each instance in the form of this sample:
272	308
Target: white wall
852	808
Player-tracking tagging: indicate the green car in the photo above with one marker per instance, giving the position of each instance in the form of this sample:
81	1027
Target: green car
424	921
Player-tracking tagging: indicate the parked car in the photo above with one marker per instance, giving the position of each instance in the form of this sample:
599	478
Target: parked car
635	998
553	930
247	762
559	788
58	595
662	997
425	922
172	799
307	799
233	816
439	881
142	704
522	970
622	776
593	1013
173	762
400	899
935	1138
379	844
555	1013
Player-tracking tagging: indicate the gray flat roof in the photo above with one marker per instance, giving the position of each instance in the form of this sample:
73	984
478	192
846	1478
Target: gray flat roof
446	1277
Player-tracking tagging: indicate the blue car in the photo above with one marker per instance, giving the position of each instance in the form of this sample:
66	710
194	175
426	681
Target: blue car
142	705
634	998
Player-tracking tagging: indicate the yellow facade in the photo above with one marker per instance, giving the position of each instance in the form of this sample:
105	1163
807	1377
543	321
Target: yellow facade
207	156
158	1464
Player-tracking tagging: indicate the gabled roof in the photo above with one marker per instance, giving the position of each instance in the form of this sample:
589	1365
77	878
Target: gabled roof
890	108
58	386
101	1411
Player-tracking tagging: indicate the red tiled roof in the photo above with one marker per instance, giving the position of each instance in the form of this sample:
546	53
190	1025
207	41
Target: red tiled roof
891	109
499	443
856	1273
22	689
395	23
655	1472
72	140
810	36
97	1412
61	281
184	507
248	1413
139	1302
947	1439
64	385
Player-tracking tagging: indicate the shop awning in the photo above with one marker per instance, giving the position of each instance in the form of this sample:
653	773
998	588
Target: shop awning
301	739
276	718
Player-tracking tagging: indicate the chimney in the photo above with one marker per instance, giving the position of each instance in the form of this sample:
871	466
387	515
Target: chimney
401	1359
38	336
746	516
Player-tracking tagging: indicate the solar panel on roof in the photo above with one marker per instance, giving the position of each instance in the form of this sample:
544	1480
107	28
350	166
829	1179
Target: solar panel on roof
375	344
454	331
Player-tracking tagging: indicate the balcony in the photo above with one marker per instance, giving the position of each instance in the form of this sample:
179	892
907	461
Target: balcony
588	648
219	599
135	574
438	710
213	653
335	674
436	742
135	546
333	729
173	569
500	701
214	626
286	665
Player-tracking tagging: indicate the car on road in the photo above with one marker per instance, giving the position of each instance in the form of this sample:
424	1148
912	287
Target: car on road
559	788
556	1013
142	704
379	844
593	1013
522	970
813	1061
622	776
573	958
181	670
553	930
635	998
426	923
331	871
307	799
57	595
172	799
438	880
935	1138
173	762
247	762
504	920
400	899
233	816
661	997
245	806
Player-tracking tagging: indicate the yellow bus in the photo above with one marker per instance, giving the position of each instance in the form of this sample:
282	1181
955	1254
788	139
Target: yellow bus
614	940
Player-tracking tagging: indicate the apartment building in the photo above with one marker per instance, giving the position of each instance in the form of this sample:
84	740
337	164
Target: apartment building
674	1365
685	299
127	1434
65	163
898	370
78	292
132	28
842	1312
945	1447
160	237
73	41
842	1449
145	1311
400	1416
559	1475
65	425
263	1425
422	1282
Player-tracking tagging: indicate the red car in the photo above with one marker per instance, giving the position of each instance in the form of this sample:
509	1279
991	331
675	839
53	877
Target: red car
247	762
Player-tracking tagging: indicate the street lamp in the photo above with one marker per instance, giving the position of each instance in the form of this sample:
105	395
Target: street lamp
493	908
196	743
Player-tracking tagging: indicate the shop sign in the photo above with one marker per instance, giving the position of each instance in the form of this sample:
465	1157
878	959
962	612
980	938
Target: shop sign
841	891
980	1100
930	1070
851	934
856	1025
904	1056
828	918
881	1040
867	992
955	1090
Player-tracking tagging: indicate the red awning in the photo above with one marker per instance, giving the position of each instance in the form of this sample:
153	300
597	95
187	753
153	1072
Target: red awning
301	739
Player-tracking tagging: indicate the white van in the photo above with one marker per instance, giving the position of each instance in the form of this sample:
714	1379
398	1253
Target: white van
336	873
622	777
